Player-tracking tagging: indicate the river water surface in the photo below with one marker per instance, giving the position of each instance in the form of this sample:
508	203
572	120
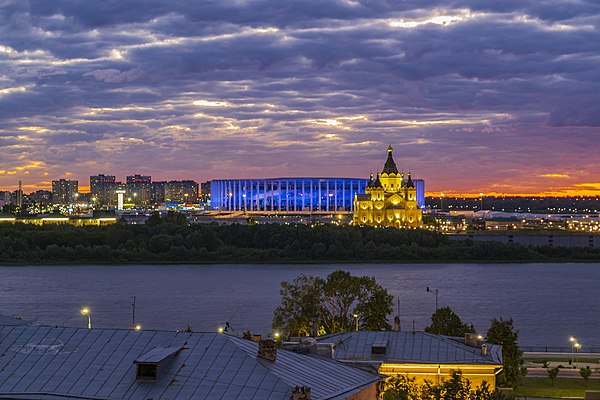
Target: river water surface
548	302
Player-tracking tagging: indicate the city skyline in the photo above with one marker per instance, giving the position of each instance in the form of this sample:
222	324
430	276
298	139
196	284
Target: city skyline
474	98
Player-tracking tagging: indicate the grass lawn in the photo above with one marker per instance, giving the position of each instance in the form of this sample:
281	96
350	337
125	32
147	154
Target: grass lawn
563	387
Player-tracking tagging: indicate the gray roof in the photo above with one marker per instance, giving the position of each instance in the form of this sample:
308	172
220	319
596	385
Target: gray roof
40	362
157	354
409	347
362	197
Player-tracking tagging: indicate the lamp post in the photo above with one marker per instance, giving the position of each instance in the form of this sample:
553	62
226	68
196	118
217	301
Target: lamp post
442	201
436	292
133	312
573	341
481	201
356	321
86	311
577	347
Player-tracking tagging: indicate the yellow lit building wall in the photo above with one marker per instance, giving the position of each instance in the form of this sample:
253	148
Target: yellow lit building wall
435	373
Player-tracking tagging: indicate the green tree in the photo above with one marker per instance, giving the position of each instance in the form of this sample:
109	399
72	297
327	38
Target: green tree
502	332
154	219
444	321
332	303
553	374
401	387
585	373
457	387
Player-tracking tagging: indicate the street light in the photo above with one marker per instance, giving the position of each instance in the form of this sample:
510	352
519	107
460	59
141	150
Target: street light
137	327
436	292
86	311
442	201
356	321
577	347
573	341
481	201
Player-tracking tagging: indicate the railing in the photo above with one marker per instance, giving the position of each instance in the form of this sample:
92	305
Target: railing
557	349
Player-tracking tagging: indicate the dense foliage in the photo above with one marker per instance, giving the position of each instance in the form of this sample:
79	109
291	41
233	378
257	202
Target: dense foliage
503	332
457	387
338	303
444	321
176	241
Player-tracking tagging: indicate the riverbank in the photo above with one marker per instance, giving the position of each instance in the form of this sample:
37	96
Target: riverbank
268	244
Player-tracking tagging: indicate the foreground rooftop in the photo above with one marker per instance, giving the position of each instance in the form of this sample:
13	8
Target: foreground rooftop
40	362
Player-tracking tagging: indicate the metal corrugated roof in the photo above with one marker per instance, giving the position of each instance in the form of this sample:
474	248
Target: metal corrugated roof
157	354
47	362
409	347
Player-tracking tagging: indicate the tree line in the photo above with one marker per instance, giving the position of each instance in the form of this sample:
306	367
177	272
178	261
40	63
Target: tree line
176	241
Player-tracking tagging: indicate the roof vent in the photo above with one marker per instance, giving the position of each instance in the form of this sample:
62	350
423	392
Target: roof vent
267	350
300	393
149	364
379	346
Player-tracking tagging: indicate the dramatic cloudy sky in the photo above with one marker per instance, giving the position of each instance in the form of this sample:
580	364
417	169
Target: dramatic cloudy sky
492	96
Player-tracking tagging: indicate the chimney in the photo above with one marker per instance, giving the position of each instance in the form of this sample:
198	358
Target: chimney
300	393
484	349
267	349
471	339
397	324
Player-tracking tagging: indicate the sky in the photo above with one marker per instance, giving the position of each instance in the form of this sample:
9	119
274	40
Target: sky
499	97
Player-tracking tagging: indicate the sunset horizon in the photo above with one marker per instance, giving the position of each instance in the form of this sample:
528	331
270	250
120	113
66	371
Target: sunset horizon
495	99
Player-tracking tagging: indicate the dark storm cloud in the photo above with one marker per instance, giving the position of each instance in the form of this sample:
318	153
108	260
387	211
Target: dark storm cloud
271	86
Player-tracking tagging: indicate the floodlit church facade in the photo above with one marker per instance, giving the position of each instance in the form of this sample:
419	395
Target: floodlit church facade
389	200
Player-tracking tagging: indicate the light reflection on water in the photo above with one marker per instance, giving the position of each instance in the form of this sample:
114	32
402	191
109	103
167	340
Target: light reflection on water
548	302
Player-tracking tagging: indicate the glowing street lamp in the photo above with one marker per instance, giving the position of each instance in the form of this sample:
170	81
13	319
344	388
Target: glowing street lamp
356	321
137	327
481	201
86	311
577	347
573	341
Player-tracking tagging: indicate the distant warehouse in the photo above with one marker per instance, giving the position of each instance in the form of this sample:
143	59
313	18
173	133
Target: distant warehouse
292	194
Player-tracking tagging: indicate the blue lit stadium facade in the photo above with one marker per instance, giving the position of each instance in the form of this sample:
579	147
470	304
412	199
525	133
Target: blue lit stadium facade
292	194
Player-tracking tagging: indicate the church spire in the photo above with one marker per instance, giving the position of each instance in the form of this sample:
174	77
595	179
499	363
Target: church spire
390	165
410	183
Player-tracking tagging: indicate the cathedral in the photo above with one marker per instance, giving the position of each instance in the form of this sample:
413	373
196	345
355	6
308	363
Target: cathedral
389	200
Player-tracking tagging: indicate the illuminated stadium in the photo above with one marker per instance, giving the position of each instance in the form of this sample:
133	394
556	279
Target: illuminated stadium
292	194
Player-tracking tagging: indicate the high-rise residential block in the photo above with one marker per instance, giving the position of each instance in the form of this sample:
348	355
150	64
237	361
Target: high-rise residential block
182	191
65	191
139	189
102	189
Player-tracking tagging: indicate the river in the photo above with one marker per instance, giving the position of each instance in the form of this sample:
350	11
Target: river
548	302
